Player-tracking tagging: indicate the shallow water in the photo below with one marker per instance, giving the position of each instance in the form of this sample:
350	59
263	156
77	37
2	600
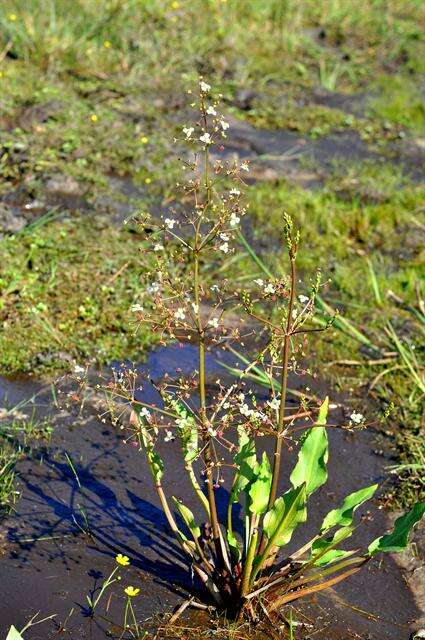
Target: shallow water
49	565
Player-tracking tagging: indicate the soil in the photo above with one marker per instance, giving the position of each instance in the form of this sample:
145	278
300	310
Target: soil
60	542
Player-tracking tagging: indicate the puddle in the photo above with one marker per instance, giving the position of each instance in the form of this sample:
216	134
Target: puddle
48	565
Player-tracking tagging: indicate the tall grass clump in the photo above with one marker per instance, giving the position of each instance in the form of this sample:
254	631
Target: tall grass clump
220	433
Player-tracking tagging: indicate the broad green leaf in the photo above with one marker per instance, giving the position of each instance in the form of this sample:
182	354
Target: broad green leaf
234	546
245	460
188	518
331	556
187	429
398	539
320	545
286	514
14	634
343	516
259	488
156	463
313	456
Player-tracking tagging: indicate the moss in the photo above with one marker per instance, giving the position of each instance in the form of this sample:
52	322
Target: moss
66	290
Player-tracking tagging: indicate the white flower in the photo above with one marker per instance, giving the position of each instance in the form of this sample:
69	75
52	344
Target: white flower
211	111
357	418
245	166
245	410
303	299
145	413
195	307
183	423
179	314
188	132
136	308
78	369
212	432
215	287
269	288
153	287
158	247
213	322
241	396
259	281
168	436
224	247
235	192
169	222
206	138
225	237
204	87
224	125
274	404
234	220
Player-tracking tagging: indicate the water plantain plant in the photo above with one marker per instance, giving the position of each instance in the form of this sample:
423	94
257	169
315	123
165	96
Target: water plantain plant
220	434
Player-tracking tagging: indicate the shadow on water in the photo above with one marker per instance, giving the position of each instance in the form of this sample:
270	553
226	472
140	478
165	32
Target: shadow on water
71	522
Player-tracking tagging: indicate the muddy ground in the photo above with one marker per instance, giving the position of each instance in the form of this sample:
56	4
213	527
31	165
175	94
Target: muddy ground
61	538
48	564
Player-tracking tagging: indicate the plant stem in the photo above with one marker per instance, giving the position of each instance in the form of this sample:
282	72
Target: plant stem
246	577
206	437
202	413
283	393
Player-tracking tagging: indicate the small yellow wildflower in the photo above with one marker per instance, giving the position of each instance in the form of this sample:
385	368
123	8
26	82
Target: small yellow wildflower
175	4
131	591
148	180
107	44
144	139
123	560
12	17
94	117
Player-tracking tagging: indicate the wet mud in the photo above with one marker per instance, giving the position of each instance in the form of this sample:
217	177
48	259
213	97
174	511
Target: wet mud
273	155
60	542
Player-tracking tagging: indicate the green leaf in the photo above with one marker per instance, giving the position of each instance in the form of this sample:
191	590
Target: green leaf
259	488
343	516
155	462
188	518
187	429
234	546
320	545
398	539
331	556
245	460
286	514
14	634
313	456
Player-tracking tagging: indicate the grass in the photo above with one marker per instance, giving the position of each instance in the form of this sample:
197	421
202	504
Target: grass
19	438
90	93
66	289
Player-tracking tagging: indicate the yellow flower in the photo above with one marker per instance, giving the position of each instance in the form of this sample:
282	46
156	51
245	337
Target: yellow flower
144	139
107	44
175	4
131	591
12	17
93	117
148	180
123	560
